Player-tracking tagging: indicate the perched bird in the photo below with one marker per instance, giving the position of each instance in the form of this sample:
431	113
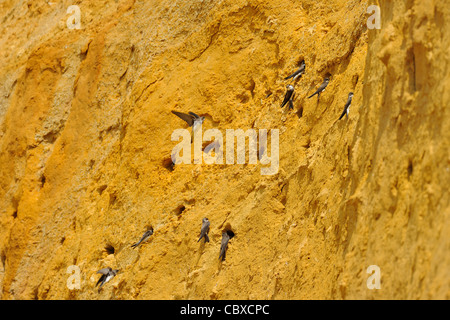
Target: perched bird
224	244
146	235
321	88
297	73
288	95
347	105
192	120
205	229
107	274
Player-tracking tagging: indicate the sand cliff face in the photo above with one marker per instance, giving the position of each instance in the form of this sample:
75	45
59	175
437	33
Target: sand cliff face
85	134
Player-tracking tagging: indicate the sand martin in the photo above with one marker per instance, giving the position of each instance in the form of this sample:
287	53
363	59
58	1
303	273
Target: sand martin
224	244
347	105
146	235
297	73
192	120
107	274
205	229
321	88
288	95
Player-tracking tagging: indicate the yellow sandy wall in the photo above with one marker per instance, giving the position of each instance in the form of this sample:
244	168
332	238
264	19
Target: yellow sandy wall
85	125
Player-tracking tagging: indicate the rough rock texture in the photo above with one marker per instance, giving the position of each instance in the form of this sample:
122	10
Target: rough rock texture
85	134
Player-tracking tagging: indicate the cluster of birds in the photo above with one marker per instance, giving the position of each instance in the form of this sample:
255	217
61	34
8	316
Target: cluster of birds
108	273
195	121
290	94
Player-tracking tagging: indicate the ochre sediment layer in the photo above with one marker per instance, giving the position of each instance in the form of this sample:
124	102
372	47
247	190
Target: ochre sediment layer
85	134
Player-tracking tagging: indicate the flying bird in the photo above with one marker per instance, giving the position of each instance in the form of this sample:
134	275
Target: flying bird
321	88
146	235
224	245
204	230
288	95
297	73
192	119
347	106
107	274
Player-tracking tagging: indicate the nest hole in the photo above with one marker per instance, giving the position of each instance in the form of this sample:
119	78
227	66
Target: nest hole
112	199
179	210
230	233
410	168
42	180
109	249
300	112
101	189
168	164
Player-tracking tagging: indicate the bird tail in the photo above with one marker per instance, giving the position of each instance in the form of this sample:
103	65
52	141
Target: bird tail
222	255
135	245
342	115
291	101
206	238
312	95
